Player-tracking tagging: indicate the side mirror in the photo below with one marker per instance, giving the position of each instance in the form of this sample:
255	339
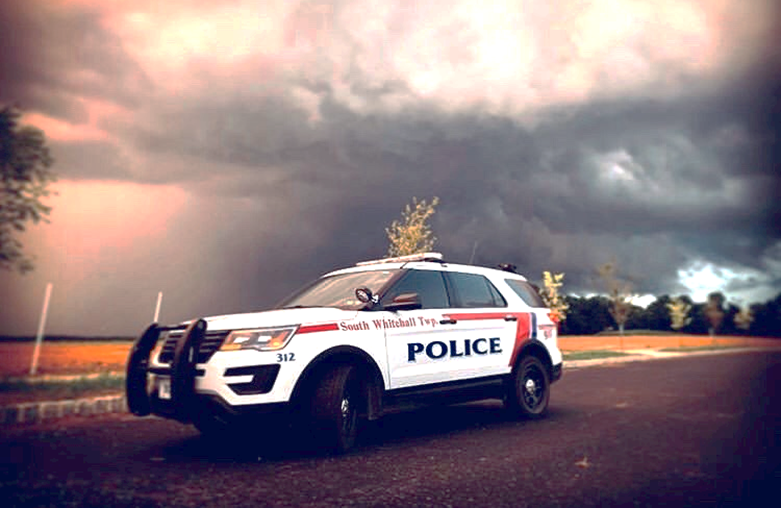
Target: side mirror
405	301
365	295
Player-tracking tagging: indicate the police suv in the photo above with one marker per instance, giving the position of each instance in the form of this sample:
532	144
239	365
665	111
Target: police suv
357	343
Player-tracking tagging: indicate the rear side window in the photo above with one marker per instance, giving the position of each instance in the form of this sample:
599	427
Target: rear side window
428	284
526	291
475	291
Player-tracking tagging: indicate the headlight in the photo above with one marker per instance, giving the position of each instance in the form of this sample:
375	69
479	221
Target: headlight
264	339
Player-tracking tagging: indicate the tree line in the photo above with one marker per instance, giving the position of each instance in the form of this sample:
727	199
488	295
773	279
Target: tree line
590	315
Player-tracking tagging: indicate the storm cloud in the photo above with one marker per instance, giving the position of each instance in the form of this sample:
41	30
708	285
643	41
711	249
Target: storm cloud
557	137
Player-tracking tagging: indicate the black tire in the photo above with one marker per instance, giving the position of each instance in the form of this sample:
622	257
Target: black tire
529	390
335	408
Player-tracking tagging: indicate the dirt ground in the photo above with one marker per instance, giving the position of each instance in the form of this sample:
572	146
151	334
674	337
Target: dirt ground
58	358
627	342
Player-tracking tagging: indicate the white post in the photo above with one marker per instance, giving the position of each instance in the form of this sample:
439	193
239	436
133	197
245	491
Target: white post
41	325
157	308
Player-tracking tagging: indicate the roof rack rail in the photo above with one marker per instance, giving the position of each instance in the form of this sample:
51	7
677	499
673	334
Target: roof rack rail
423	256
508	267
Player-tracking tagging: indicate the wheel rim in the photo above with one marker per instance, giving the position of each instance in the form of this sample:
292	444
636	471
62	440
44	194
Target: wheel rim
532	387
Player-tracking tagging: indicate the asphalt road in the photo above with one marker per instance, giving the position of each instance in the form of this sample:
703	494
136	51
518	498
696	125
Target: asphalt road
675	432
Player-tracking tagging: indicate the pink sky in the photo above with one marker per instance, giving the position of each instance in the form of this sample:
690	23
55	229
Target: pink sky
124	74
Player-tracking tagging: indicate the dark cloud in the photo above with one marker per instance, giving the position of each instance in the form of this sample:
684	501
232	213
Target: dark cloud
51	58
288	179
99	160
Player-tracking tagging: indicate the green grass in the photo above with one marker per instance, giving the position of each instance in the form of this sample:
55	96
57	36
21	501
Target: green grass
592	355
687	349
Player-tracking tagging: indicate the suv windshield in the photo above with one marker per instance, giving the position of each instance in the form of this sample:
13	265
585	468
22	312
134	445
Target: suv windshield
339	290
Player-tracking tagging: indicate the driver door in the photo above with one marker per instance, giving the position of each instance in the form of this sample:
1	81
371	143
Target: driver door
409	332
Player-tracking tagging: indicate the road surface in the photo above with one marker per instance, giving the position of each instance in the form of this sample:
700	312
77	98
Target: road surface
678	432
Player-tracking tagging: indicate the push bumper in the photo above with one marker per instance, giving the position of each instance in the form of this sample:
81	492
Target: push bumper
173	392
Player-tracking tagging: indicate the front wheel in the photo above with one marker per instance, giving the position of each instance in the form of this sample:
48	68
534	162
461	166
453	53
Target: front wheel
529	391
335	408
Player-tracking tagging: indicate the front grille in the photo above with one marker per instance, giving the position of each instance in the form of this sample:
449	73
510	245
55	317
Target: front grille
211	343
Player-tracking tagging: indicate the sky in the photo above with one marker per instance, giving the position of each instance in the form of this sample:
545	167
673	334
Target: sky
228	152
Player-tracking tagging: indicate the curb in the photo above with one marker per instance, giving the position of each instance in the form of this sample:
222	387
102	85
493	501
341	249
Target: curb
650	354
36	412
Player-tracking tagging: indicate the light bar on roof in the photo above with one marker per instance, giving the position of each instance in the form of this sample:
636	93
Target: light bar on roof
423	256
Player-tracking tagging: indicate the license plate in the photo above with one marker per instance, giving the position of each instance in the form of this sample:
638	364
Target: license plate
164	388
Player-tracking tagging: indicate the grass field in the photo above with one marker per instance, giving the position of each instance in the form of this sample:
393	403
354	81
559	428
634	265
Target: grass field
62	358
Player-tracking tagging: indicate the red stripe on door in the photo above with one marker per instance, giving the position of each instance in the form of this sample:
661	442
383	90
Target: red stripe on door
328	327
478	316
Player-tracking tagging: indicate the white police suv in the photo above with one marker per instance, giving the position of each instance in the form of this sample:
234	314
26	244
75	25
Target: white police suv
356	344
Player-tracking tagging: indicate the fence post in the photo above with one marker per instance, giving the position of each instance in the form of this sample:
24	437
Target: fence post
41	325
157	307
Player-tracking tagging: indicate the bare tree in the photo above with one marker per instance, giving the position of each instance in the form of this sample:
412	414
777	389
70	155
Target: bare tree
714	312
412	234
619	291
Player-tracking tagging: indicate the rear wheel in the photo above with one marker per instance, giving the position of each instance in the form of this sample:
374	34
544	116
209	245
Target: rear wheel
335	408
529	391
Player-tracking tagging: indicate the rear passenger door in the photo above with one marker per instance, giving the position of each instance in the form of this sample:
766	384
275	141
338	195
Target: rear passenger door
481	319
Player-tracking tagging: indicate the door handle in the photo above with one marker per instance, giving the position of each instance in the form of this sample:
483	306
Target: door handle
447	321
511	318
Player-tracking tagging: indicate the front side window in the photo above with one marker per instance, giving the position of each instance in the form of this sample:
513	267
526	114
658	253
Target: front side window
427	284
474	290
339	290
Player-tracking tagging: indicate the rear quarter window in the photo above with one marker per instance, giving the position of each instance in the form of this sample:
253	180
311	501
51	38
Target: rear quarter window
527	292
